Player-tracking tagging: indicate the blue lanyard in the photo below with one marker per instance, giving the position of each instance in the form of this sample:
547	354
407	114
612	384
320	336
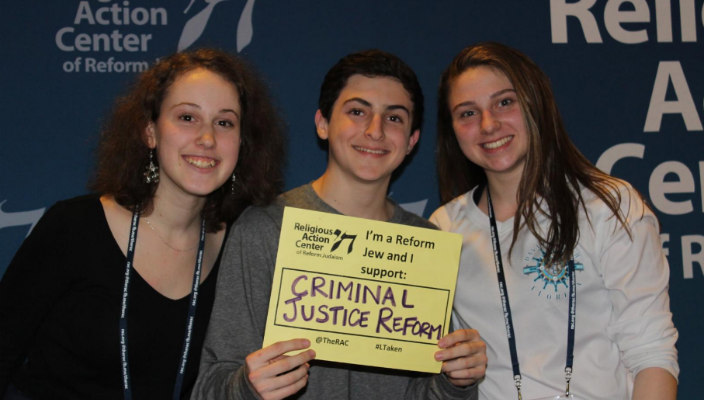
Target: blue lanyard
126	384
571	314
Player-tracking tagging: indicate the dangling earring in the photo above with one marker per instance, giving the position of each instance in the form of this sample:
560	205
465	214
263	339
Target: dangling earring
151	172
234	179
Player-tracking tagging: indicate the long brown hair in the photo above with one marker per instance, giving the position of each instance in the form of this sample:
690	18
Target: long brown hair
123	152
554	168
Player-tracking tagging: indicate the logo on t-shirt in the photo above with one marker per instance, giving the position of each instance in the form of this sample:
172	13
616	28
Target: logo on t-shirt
551	282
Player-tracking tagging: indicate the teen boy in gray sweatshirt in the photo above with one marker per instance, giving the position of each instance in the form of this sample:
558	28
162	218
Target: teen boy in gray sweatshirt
371	109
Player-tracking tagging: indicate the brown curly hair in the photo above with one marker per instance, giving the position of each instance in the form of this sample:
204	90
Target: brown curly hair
123	154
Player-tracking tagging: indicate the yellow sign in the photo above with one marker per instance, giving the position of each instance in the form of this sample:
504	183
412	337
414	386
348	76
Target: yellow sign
363	291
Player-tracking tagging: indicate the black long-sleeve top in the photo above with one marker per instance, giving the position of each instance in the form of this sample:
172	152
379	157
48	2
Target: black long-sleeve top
60	303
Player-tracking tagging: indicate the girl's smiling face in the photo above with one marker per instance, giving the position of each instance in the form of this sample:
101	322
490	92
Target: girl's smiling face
197	134
488	121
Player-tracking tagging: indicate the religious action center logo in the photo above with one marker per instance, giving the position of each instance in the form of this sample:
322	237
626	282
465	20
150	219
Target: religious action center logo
196	24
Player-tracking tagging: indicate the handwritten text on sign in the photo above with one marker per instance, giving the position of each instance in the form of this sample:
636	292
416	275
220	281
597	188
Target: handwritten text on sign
364	292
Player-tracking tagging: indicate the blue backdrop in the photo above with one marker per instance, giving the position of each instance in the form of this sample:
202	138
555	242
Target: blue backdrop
627	76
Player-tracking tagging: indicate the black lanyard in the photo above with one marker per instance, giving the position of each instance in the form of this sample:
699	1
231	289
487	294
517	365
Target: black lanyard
126	385
571	315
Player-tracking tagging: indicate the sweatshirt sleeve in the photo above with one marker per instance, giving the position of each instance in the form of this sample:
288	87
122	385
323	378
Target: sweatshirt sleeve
239	313
636	275
438	387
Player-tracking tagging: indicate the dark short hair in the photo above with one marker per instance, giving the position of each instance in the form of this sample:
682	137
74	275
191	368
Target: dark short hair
371	63
123	152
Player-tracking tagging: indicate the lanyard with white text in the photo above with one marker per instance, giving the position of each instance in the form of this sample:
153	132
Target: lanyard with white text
572	310
127	389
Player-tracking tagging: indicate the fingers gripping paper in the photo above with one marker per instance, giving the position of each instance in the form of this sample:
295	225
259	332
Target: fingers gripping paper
363	291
